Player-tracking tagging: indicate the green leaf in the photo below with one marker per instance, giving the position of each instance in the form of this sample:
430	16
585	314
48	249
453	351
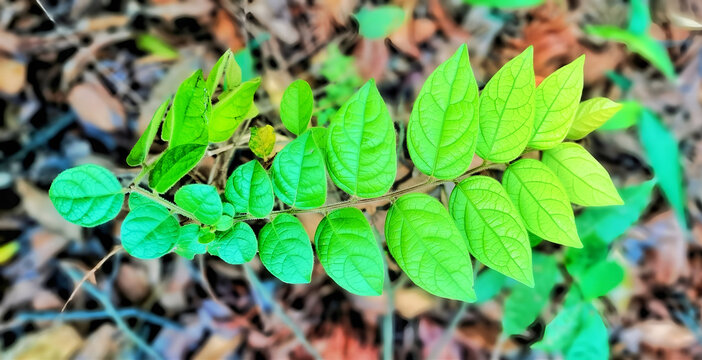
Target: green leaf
191	112
236	245
168	125
187	245
349	253
593	252
250	190
87	195
661	149
262	141
488	284
639	17
173	164
245	61
201	200
296	106
586	182
233	107
627	116
505	4
562	330
227	208
149	232
138	200
524	304
493	228
155	46
361	145
443	126
379	22
206	235
592	341
556	101
542	202
138	153
319	135
429	248
592	114
285	250
299	179
225	67
599	279
507	110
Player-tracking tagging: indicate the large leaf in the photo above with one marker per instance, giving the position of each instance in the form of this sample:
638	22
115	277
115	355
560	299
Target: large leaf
149	232
201	200
429	248
586	182
285	250
191	113
443	126
542	201
138	153
87	195
379	22
493	227
592	114
236	245
299	178
233	107
349	253
361	145
250	190
173	164
296	106
187	245
556	101
507	110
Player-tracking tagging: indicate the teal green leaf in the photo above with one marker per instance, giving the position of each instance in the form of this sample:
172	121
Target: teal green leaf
542	201
87	195
592	341
224	223
296	106
661	149
149	232
428	247
379	22
173	164
492	226
191	112
599	279
507	110
639	17
488	284
250	190
187	245
626	117
562	330
138	153
349	253
201	200
579	261
443	125
298	174
361	145
556	101
592	114
586	182
138	200
285	250
233	107
235	246
319	135
505	4
156	46
227	208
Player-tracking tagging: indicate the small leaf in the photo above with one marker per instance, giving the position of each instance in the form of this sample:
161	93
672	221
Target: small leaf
191	112
507	110
236	245
562	330
201	200
262	141
591	115
155	46
187	245
626	117
556	101
639	17
138	153
227	208
298	174
173	164
206	235
233	107
8	250
429	248
599	279
149	232
488	284
296	106
379	22
250	190
138	200
87	195
361	154
285	250
224	223
225	67
494	230
319	135
542	201
443	125
586	182
349	253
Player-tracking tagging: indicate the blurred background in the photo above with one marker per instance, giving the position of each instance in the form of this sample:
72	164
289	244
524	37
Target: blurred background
80	79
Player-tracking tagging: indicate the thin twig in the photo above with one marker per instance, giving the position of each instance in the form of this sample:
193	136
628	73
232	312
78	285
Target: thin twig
169	205
90	273
497	350
448	333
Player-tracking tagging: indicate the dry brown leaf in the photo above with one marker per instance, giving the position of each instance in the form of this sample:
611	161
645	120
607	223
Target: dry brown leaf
56	343
413	301
39	207
665	334
101	344
94	105
226	31
13	74
133	282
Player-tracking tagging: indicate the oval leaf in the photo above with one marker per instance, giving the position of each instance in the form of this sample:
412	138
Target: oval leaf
542	202
138	153
428	246
349	253
202	201
149	232
493	227
285	250
87	195
296	106
191	111
591	115
173	164
233	107
187	245
262	141
299	178
236	245
250	190
443	126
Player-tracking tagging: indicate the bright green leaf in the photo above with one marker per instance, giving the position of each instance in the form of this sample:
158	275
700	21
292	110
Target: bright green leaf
187	245
250	190
224	223
173	164
319	135
227	208
206	235
488	284
639	17
138	153
8	250
201	200
262	141
507	110
296	106
87	195
285	250
626	117
138	200
156	46
592	114
227	68
428	247
349	253
505	4
236	245
191	112
599	279
443	125
233	107
149	232
298	174
379	22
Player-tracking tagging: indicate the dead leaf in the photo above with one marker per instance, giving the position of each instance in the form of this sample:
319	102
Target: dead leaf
413	301
13	74
56	343
133	282
39	207
665	334
94	105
